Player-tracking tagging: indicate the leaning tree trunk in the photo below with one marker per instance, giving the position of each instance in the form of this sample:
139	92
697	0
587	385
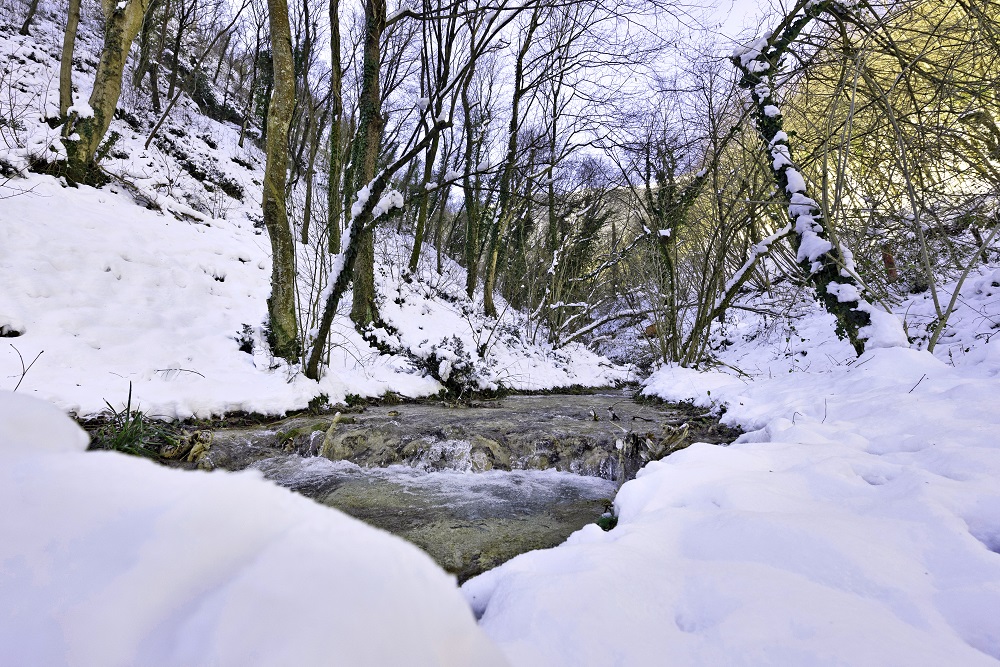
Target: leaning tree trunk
88	126
281	304
32	8
822	261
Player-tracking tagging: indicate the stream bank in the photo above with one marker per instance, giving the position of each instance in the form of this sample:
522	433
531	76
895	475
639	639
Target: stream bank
473	485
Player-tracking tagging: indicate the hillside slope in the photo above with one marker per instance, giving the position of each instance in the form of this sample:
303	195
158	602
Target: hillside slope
158	279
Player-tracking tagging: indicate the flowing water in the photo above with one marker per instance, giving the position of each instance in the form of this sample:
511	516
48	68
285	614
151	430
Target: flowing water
473	485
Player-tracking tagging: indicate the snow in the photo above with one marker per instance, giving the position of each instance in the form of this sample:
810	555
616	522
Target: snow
855	522
795	181
844	292
771	111
801	205
117	561
885	330
388	201
82	109
781	157
358	207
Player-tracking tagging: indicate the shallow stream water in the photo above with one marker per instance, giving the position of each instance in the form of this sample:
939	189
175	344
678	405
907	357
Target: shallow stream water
468	522
472	485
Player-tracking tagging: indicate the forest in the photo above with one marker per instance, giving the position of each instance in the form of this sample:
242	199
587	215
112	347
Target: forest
596	167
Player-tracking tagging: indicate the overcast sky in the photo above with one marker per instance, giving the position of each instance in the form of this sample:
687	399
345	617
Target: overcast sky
736	15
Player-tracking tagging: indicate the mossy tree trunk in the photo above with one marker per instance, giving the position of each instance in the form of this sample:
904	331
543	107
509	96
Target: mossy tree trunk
122	24
365	156
281	304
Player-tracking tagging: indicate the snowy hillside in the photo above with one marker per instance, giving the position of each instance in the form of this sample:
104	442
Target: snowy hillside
160	278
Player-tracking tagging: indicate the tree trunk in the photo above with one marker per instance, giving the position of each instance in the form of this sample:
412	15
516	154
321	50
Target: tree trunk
471	199
506	198
66	63
183	20
281	304
154	65
310	173
253	87
145	45
222	56
334	194
425	199
121	26
365	157
32	8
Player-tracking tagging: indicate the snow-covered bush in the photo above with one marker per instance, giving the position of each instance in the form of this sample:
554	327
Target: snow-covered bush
448	362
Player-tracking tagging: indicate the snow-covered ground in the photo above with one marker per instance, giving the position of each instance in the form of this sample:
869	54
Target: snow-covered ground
107	559
110	294
856	522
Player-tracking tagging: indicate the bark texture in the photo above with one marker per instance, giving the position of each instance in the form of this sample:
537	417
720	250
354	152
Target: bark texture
281	304
364	158
86	131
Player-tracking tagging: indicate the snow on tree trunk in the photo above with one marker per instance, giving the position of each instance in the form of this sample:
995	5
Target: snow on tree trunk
828	267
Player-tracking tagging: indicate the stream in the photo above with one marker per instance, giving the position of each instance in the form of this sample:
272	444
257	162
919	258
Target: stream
472	485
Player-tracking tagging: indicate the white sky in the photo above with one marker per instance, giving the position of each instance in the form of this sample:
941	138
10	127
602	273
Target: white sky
736	15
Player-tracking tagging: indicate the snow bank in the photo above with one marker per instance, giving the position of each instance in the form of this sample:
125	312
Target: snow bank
856	522
109	560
